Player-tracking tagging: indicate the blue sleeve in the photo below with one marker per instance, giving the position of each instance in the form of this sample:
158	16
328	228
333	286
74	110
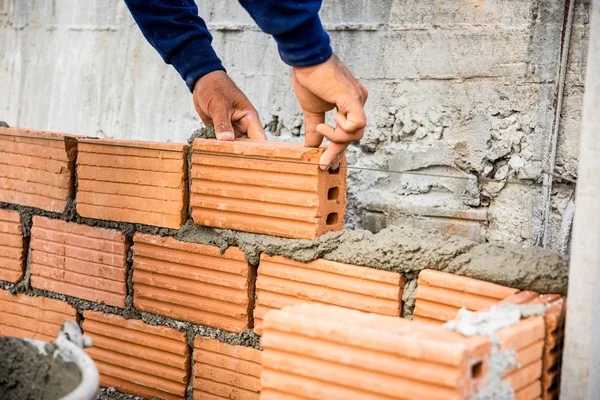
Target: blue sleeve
180	36
295	26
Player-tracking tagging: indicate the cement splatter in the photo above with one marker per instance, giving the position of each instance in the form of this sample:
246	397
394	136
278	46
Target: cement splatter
488	323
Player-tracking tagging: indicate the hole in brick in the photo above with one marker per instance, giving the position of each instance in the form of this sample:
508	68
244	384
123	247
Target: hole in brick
332	218
334	171
477	370
333	193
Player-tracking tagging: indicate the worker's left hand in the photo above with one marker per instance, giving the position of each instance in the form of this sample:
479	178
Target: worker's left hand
221	103
321	88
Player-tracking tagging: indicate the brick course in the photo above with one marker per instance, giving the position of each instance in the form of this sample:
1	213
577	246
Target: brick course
283	282
131	181
278	189
38	171
440	295
11	246
225	371
192	282
38	318
79	261
138	358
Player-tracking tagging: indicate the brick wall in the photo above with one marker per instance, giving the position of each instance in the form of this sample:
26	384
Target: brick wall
90	231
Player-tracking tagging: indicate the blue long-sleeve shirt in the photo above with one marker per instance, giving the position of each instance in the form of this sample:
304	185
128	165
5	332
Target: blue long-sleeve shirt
181	37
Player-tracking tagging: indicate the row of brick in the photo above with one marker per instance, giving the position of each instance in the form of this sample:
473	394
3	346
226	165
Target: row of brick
137	358
300	345
189	281
311	351
254	186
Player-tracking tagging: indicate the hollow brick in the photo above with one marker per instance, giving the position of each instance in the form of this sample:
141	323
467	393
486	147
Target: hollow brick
37	168
266	187
78	260
137	358
133	181
283	282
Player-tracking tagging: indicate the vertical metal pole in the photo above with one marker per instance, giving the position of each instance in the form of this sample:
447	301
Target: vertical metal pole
581	359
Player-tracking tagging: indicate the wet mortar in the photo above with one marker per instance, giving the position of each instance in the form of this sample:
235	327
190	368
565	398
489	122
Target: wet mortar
26	374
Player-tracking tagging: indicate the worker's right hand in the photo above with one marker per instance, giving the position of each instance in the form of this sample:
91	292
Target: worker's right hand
321	88
221	103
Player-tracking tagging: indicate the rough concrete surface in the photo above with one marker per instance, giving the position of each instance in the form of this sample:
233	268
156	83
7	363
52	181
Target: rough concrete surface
461	89
27	374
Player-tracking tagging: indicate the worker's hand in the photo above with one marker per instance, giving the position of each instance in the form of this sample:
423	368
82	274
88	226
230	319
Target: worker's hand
321	88
221	103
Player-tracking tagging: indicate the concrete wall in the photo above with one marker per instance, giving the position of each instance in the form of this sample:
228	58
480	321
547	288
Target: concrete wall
463	91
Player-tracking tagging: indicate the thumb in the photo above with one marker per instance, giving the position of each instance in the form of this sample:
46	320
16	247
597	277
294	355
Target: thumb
312	138
222	122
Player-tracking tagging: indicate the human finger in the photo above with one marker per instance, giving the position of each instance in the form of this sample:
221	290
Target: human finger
312	138
222	123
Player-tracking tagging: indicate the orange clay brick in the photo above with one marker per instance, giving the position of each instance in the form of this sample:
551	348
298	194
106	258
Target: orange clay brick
137	358
440	295
283	282
313	351
36	168
223	371
79	261
527	339
531	392
552	350
38	318
11	246
131	181
266	187
192	282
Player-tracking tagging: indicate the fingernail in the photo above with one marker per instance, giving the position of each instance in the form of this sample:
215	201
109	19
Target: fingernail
335	164
226	136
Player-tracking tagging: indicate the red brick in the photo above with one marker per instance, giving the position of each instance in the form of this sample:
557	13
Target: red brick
440	295
12	252
531	392
225	371
131	181
192	282
79	261
527	339
327	352
137	358
283	282
266	187
552	352
29	317
36	168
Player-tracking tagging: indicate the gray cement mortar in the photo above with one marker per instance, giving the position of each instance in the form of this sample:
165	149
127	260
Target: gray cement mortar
405	250
26	374
114	394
